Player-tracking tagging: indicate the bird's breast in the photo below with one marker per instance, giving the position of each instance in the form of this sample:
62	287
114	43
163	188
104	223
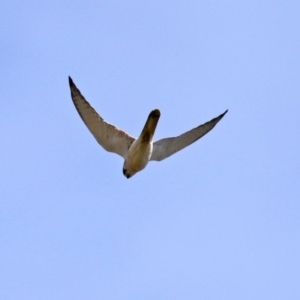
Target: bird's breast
138	155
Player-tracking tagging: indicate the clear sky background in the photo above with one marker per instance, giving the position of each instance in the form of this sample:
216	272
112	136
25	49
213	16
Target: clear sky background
219	220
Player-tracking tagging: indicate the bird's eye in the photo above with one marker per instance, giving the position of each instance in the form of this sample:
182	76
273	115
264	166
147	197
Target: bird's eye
124	171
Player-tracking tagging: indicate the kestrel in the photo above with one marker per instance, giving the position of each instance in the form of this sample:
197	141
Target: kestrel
136	152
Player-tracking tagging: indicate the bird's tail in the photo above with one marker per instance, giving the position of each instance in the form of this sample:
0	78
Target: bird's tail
150	126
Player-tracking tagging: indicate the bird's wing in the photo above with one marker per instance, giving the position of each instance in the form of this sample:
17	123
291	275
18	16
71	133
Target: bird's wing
108	136
168	146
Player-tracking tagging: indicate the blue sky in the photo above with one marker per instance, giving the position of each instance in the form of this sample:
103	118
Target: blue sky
219	220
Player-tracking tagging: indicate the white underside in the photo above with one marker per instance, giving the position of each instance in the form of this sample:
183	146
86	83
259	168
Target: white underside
138	156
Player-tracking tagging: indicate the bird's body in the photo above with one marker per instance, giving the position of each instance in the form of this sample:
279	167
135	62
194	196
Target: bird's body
137	157
140	151
136	152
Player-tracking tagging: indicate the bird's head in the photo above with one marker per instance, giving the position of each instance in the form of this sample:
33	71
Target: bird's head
126	174
127	171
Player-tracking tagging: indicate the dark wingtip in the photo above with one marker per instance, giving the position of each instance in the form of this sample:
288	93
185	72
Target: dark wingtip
224	113
71	83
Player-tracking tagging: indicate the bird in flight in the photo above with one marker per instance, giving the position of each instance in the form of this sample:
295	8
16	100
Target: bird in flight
136	152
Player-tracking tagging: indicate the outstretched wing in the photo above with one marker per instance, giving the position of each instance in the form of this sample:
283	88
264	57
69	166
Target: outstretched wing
108	136
168	146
